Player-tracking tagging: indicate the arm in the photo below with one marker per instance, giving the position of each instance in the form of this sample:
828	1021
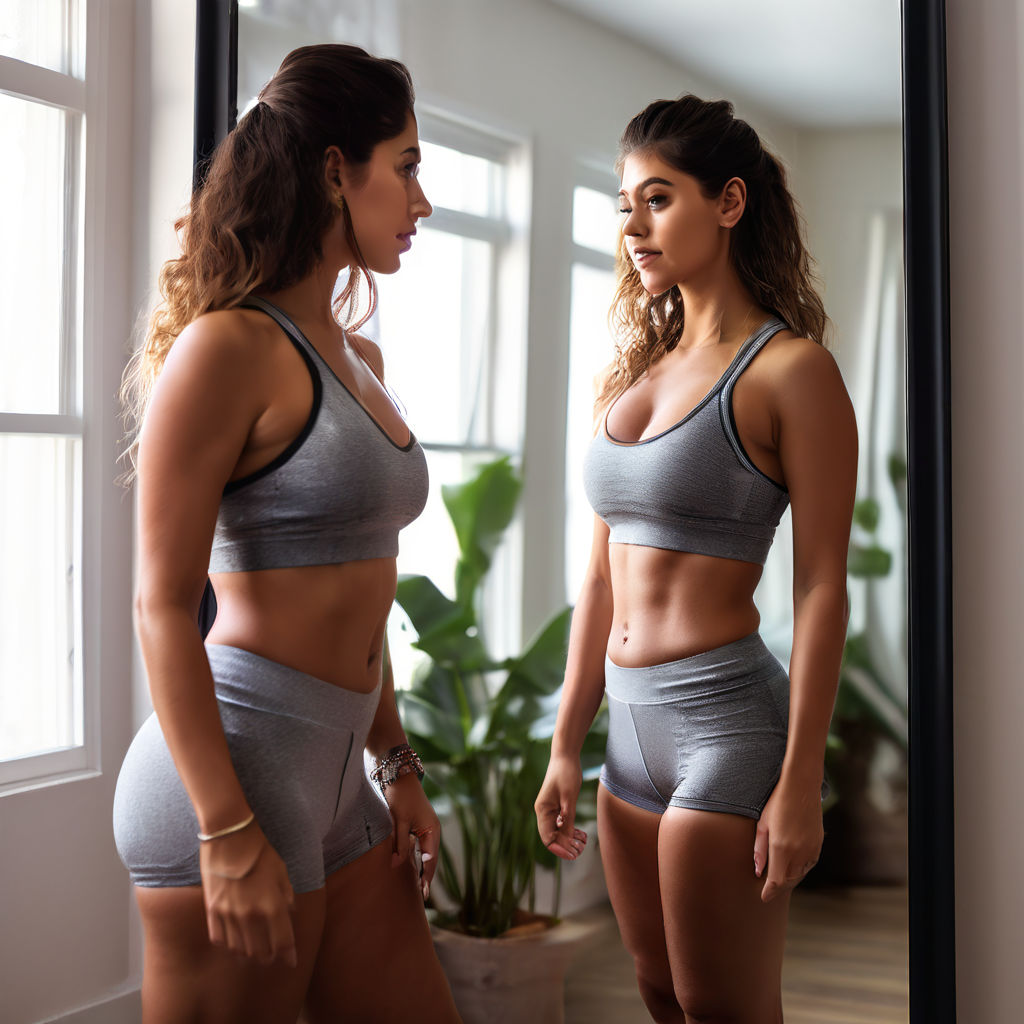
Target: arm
817	444
199	418
411	811
582	692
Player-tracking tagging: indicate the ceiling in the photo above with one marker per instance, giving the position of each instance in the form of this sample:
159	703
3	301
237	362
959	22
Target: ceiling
818	63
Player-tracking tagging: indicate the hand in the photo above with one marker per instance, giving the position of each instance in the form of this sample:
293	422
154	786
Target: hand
555	807
413	815
248	897
789	837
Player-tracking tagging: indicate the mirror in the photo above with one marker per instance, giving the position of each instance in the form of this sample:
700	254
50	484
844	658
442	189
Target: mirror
872	184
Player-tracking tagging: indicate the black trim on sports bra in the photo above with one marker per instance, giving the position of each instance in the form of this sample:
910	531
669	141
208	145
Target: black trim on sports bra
282	457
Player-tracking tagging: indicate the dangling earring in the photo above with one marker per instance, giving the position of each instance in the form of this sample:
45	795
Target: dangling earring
339	200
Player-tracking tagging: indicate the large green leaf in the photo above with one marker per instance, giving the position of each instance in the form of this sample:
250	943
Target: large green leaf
481	510
445	630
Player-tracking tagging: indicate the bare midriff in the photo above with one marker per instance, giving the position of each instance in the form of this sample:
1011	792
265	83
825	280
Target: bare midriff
672	604
328	621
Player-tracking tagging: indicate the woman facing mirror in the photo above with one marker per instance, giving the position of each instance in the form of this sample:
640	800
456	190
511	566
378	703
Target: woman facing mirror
721	408
270	877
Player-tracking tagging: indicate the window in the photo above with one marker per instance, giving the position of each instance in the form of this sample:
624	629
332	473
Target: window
595	237
452	327
43	416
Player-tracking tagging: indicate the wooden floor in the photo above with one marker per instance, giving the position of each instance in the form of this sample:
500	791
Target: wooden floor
846	963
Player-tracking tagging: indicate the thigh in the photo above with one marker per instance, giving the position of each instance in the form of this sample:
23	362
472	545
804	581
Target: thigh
376	960
724	944
186	979
628	837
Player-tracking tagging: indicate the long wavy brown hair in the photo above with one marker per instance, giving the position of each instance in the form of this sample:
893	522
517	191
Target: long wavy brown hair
704	139
257	222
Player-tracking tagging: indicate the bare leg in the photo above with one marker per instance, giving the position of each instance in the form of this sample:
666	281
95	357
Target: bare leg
188	981
377	960
725	946
629	853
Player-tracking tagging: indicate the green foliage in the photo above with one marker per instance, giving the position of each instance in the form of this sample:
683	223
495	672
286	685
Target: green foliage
483	727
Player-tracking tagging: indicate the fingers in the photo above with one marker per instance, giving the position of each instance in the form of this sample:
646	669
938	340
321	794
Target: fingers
401	846
567	845
783	875
430	842
281	940
760	848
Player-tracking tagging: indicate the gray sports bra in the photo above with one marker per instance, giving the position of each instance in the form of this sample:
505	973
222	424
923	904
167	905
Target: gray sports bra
692	487
339	492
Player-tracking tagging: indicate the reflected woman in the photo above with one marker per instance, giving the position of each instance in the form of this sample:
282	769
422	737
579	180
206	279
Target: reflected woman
721	408
270	876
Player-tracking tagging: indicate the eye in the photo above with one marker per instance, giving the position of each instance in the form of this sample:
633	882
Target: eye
411	170
654	202
623	209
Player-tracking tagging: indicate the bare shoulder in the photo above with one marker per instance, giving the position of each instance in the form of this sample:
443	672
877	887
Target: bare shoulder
228	338
790	366
369	350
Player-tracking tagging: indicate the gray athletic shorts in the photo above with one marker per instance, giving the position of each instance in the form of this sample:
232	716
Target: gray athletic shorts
706	732
296	743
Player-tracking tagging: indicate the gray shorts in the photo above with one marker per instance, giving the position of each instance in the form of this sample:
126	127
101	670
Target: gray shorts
296	743
706	732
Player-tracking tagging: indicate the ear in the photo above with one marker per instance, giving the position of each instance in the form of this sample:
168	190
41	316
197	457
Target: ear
732	202
334	170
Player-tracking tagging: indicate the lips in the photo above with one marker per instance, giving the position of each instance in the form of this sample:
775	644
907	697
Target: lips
642	257
406	240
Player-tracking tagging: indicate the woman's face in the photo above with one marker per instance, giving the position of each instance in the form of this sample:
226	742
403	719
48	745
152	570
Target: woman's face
672	231
385	200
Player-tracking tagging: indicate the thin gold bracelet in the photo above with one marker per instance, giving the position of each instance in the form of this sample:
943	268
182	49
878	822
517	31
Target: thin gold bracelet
205	837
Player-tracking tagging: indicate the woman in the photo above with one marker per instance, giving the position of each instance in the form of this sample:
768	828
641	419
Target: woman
270	877
721	407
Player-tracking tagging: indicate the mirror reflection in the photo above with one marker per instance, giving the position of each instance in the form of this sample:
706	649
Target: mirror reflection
496	327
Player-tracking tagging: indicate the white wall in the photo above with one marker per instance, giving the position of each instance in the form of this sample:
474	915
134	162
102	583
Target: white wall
985	48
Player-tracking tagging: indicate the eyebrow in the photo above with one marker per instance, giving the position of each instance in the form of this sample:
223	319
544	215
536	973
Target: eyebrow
414	150
647	181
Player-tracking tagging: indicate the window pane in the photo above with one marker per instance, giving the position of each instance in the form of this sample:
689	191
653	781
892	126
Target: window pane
39	260
590	350
40	699
434	327
460	181
595	220
44	32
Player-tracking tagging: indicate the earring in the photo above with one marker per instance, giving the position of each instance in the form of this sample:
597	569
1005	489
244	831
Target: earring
339	200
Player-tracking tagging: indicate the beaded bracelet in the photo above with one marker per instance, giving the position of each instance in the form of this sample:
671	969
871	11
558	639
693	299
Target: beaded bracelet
398	761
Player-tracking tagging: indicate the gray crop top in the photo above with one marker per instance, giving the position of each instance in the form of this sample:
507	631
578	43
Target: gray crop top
339	492
692	487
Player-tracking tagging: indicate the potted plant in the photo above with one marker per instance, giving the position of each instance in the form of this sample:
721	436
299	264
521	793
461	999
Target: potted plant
483	728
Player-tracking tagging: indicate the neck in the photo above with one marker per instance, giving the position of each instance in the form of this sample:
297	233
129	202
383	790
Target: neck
309	300
719	310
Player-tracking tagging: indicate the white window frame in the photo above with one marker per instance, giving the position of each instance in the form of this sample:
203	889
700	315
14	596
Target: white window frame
87	402
599	180
504	348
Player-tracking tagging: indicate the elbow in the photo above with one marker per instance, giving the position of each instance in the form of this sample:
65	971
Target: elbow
154	607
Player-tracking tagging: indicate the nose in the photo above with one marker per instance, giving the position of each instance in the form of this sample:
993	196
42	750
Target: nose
420	206
632	225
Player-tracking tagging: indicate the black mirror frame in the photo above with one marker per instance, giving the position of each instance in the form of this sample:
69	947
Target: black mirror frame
926	263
